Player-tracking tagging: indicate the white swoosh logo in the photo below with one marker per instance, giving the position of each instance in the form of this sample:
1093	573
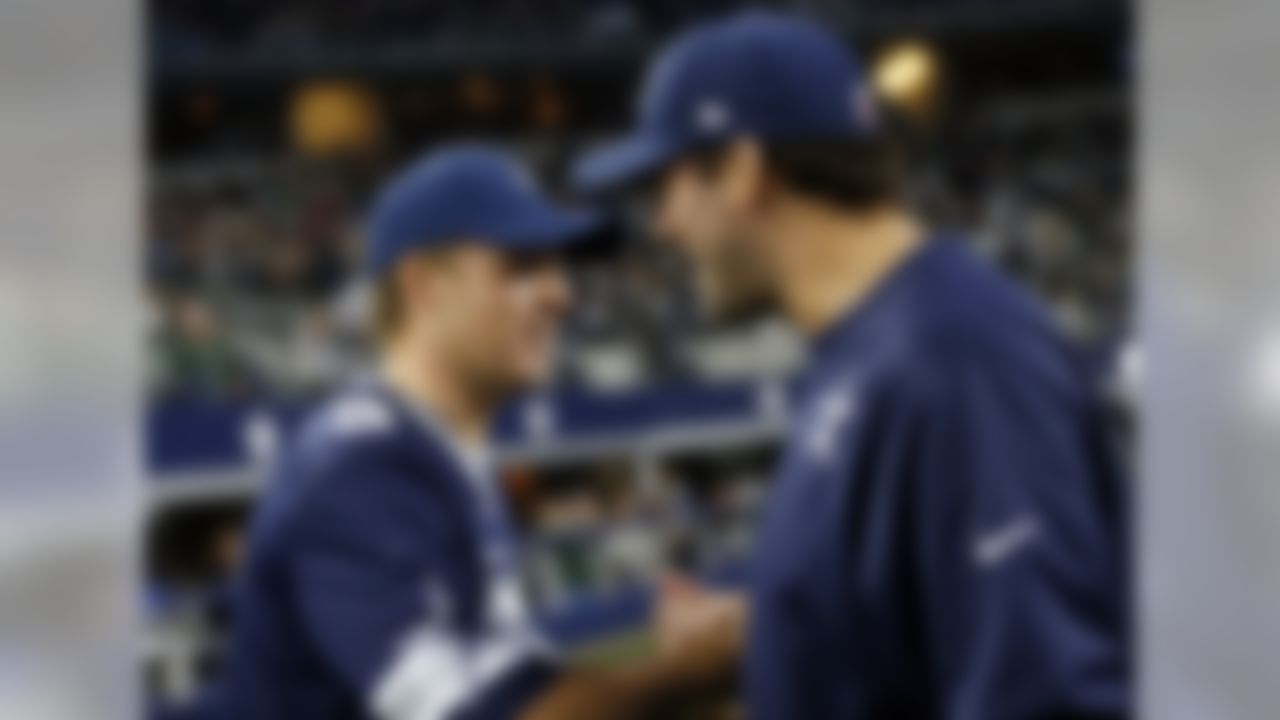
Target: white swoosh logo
997	546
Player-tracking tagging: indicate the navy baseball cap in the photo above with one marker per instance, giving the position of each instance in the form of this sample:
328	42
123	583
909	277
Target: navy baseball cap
765	74
473	193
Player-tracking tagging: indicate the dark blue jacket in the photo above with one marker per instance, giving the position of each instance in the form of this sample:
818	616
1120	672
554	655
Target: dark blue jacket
381	580
945	538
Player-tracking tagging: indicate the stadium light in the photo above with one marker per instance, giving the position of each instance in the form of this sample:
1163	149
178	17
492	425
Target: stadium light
906	74
327	117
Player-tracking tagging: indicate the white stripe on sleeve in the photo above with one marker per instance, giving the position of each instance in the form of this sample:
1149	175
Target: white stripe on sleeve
436	673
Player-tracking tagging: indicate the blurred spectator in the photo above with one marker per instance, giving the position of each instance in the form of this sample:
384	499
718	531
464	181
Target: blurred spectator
307	359
194	356
280	267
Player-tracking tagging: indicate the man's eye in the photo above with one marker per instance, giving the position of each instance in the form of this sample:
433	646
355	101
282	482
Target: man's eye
529	263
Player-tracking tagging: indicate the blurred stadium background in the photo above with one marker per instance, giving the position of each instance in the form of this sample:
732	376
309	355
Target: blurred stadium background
271	121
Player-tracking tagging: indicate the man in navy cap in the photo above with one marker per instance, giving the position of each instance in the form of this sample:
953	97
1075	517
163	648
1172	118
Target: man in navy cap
945	537
381	579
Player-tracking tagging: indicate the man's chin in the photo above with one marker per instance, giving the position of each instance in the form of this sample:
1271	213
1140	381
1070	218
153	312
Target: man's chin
731	311
526	380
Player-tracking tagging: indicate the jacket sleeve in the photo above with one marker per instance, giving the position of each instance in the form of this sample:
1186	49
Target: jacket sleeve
1017	551
368	575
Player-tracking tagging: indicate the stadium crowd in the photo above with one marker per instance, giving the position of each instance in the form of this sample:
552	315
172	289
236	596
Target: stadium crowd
255	286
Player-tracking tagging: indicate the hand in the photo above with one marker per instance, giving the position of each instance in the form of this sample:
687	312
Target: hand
698	628
700	633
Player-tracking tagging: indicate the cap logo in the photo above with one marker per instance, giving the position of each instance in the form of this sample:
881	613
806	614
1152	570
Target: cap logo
712	116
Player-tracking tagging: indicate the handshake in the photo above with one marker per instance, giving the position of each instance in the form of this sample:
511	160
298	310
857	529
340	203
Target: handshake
700	634
693	674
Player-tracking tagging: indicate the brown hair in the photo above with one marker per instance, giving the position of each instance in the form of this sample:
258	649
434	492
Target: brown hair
388	311
854	174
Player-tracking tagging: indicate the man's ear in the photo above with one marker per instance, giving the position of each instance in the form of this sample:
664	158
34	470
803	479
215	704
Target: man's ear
744	171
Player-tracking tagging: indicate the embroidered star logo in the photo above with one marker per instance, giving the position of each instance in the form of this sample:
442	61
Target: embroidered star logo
830	417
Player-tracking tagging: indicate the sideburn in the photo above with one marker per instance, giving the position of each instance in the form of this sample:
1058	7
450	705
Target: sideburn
747	287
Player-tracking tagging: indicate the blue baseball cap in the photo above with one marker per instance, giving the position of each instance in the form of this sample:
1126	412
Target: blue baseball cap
765	74
472	193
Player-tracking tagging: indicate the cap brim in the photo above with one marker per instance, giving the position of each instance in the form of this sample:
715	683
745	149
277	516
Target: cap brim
570	231
621	163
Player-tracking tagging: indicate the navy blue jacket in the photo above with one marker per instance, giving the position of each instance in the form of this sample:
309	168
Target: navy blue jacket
381	580
945	536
